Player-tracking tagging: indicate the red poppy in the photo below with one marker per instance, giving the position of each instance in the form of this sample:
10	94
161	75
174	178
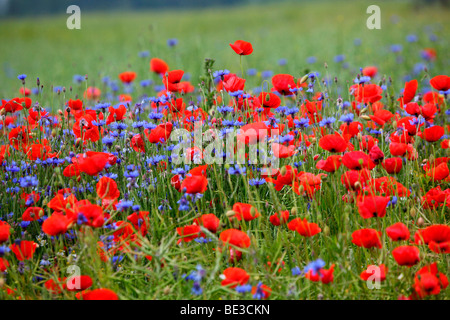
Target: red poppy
367	93
75	104
269	100
24	250
92	214
4	231
158	66
188	233
398	231
234	277
333	143
282	83
92	93
437	237
279	218
433	133
78	283
355	179
406	255
376	155
371	272
367	238
194	184
107	189
235	237
242	47
439	172
92	163
56	224
84	129
285	178
440	83
303	227
245	211
137	143
160	134
127	76
116	114
392	165
32	214
208	221
357	160
232	83
55	287
4	264
253	133
370	71
282	151
100	294
409	92
429	281
372	206
331	164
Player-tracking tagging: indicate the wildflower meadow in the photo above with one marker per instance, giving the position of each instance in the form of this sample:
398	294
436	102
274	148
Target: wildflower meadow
279	151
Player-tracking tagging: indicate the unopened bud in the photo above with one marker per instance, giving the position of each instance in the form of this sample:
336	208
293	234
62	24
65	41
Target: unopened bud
230	213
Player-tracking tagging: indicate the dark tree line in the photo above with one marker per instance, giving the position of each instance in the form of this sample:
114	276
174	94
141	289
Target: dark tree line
25	7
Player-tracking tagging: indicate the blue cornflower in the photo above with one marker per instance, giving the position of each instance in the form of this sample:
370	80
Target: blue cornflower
259	294
78	78
172	42
296	271
396	48
314	266
220	73
311	60
411	38
124	205
28	181
302	123
237	170
146	83
282	62
252	72
144	54
256	182
22	77
327	122
347	118
244	288
339	58
266	74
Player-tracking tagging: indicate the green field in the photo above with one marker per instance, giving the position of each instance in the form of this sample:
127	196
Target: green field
109	43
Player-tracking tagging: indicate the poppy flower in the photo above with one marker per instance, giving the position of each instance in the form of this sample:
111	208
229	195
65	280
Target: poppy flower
269	100
252	133
406	255
242	47
433	134
160	134
245	211
208	221
331	164
372	206
357	160
285	178
56	224
92	163
75	105
4	264
127	77
368	93
232	83
24	250
440	83
107	189
92	93
437	237
282	83
116	113
376	155
333	143
188	233
78	283
158	66
282	151
409	92
303	227
370	71
355	179
100	294
392	165
398	231
439	172
279	218
84	129
367	238
371	271
194	184
4	231
89	214
55	287
235	276
235	237
32	214
429	281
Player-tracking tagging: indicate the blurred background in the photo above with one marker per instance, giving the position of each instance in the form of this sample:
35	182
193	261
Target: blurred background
288	36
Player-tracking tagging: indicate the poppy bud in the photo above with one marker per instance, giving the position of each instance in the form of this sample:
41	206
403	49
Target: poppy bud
166	290
303	79
230	213
365	117
412	212
151	188
420	222
326	230
283	171
294	211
